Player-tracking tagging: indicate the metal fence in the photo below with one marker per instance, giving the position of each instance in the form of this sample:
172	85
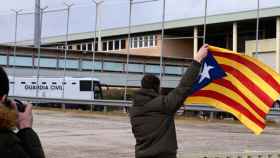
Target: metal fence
120	103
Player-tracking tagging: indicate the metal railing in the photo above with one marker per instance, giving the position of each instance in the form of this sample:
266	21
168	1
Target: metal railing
118	103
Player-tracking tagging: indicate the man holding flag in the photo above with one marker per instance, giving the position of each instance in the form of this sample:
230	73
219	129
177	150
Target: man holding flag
230	81
152	114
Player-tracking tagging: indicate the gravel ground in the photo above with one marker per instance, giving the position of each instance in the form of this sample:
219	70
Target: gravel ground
83	135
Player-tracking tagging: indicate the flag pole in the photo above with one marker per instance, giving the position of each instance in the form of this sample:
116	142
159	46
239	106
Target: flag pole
205	25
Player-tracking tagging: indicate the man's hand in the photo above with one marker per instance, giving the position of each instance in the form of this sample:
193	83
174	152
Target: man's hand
201	54
25	119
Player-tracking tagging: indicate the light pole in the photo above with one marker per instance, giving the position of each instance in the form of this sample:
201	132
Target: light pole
66	46
15	46
39	49
131	3
162	42
37	33
96	24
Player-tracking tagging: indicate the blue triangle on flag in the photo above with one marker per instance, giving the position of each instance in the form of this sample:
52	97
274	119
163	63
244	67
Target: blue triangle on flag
210	71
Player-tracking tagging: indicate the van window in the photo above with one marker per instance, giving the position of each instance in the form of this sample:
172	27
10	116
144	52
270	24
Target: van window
85	85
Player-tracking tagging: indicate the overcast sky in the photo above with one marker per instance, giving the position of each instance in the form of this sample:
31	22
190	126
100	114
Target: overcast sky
114	14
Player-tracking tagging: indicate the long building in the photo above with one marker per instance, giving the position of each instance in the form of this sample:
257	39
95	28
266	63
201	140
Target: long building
232	30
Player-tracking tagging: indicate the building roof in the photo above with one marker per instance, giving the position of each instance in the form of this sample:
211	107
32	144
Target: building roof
173	24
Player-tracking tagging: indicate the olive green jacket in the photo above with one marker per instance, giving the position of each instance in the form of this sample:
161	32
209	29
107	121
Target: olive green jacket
152	117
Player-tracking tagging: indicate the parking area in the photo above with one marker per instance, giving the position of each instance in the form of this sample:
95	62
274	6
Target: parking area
85	135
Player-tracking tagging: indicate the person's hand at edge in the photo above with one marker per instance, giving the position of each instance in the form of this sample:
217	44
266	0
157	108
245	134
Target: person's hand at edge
25	119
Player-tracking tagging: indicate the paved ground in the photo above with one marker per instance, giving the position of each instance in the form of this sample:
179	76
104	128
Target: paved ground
73	135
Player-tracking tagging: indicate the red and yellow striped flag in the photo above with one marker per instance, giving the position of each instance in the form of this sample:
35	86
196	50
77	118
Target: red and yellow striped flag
238	84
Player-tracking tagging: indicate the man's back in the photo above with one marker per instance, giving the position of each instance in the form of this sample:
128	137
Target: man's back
152	117
152	127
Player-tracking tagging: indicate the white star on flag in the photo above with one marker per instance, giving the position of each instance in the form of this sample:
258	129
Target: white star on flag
205	73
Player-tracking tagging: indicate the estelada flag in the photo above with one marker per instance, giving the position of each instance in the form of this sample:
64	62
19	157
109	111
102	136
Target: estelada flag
238	84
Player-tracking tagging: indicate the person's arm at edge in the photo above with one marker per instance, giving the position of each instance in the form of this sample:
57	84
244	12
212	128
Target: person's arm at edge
29	139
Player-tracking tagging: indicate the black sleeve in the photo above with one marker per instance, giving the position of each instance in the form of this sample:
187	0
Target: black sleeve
174	100
31	143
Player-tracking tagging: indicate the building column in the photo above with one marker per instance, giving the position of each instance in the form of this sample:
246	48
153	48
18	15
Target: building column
278	45
234	37
195	39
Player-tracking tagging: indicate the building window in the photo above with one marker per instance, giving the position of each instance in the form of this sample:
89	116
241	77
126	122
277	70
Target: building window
104	46
143	41
151	41
110	45
135	42
123	44
70	63
84	47
155	40
21	61
3	60
173	70
88	65
113	66
146	41
46	62
140	42
152	68
70	47
78	47
139	68
89	47
117	44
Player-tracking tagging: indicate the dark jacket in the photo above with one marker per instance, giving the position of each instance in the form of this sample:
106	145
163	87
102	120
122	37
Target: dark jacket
152	117
24	144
